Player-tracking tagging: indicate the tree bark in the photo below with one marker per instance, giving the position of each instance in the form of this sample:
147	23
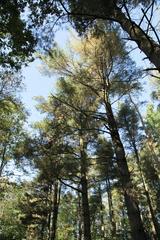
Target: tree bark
102	212
85	207
3	160
137	229
56	196
145	43
110	205
79	212
84	186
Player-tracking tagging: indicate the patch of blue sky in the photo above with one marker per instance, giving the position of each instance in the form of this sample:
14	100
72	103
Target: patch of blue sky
38	84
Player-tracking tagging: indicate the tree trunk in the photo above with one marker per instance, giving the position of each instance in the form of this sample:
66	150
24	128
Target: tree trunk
49	213
156	232
102	212
85	207
42	231
145	43
79	213
3	160
137	229
110	205
84	186
123	221
56	196
49	227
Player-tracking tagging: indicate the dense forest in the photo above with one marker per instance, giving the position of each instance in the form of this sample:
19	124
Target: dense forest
92	160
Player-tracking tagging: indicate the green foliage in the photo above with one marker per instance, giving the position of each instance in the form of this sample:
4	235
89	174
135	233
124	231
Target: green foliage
12	118
10	213
68	216
82	13
153	122
105	162
16	39
34	209
128	120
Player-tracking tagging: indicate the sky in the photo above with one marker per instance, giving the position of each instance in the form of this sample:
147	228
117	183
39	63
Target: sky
38	84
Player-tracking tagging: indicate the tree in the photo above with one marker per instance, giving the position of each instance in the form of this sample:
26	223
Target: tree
106	73
17	45
84	14
67	109
10	86
10	224
128	122
16	39
12	120
12	115
106	166
152	122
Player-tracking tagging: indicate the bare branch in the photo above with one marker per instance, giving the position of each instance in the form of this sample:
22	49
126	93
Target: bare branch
70	186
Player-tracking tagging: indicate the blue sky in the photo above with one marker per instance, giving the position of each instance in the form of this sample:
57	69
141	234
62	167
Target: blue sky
37	84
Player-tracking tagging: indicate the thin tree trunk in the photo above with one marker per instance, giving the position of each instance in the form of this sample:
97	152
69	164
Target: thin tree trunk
79	218
49	213
110	205
42	231
84	186
3	160
137	229
56	198
156	233
123	223
49	222
101	213
85	207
